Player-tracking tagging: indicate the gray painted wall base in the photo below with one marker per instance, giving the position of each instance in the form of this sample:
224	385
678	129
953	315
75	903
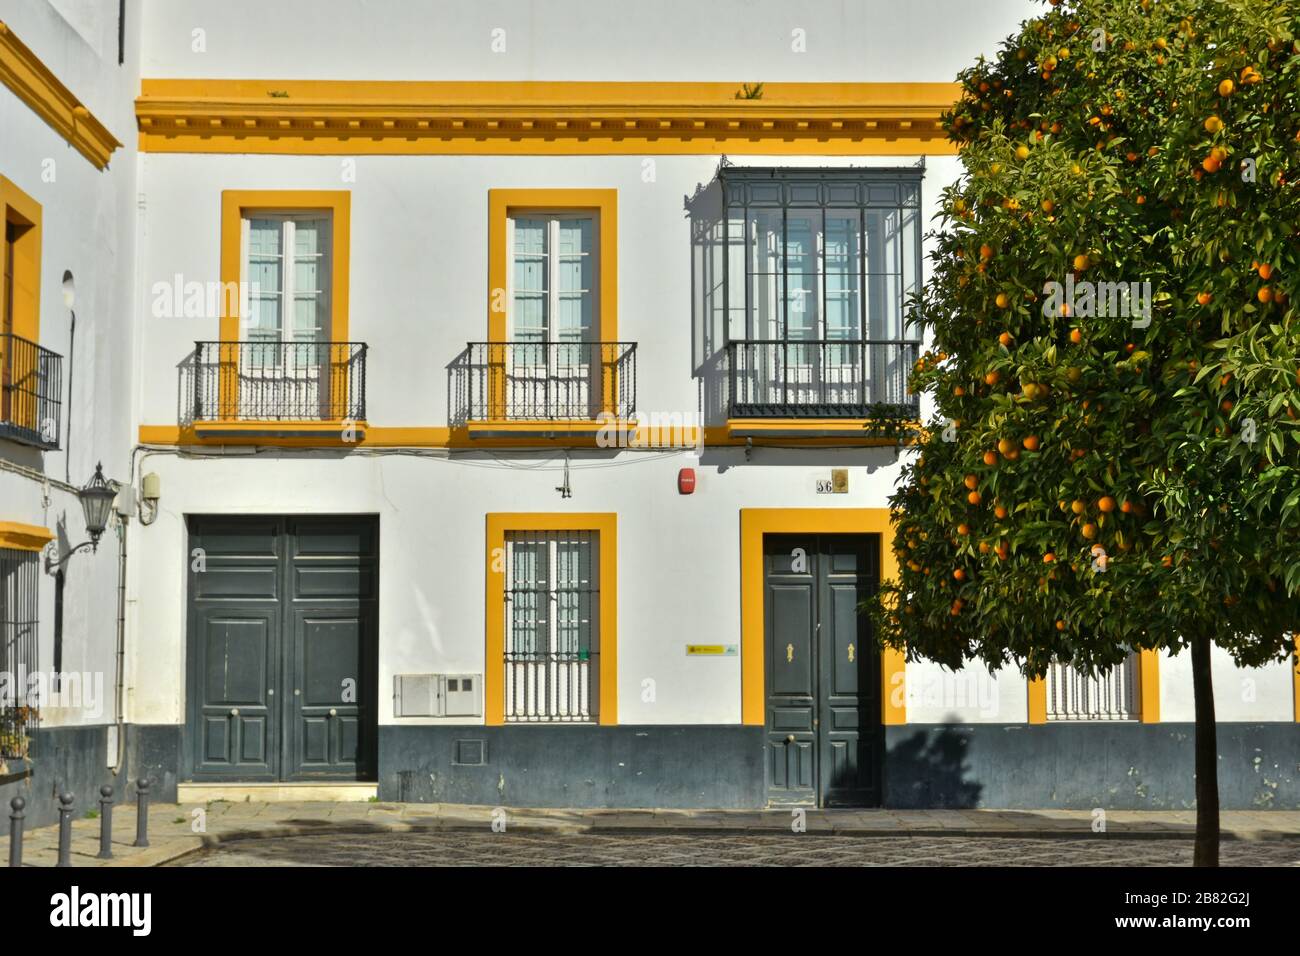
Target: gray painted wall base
576	766
1118	766
76	759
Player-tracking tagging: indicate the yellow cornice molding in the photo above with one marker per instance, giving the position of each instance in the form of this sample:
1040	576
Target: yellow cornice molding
416	117
31	81
24	537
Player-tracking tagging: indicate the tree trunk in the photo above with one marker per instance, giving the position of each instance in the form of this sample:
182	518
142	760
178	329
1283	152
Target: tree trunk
1207	757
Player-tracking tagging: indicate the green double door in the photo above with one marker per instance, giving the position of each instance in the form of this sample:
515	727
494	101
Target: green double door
282	648
825	738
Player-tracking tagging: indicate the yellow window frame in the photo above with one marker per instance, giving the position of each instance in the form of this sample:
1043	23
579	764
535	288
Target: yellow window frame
235	205
502	204
605	525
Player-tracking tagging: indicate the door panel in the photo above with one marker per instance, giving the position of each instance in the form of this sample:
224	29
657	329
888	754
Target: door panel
850	665
824	736
283	648
235	653
331	694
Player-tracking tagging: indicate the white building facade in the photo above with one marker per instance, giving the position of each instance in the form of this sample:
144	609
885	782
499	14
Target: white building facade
494	391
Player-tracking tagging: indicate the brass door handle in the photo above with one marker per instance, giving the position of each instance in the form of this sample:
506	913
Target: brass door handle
234	711
333	712
790	739
851	652
789	653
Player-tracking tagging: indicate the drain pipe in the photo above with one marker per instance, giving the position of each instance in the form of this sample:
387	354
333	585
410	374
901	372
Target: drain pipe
70	299
120	688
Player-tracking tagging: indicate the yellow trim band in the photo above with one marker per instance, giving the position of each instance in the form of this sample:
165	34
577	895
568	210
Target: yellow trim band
31	81
756	522
24	537
494	668
365	117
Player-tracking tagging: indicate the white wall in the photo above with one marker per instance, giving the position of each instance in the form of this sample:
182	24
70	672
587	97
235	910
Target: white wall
88	225
723	40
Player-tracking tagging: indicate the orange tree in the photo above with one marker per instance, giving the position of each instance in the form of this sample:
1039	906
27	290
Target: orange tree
1110	473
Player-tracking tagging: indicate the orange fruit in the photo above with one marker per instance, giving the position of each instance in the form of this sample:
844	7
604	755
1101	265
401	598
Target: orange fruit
1008	445
1076	336
1078	506
1005	339
1167	561
963	529
1049	557
1031	443
1060	625
992	377
1265	294
1265	270
984	547
1213	124
958	391
1226	88
1089	531
990	458
1081	262
974	498
1106	505
1211	164
970	481
1126	506
1047	205
1000	512
986	252
1002	301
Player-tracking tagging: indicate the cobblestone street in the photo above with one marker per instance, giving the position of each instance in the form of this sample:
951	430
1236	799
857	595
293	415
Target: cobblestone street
468	848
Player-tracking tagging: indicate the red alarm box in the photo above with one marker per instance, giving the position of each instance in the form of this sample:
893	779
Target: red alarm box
686	480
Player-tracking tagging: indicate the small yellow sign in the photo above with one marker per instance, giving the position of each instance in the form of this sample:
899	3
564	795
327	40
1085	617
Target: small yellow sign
716	650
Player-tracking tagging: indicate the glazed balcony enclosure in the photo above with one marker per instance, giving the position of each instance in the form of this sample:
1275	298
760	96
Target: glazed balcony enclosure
278	384
31	383
569	383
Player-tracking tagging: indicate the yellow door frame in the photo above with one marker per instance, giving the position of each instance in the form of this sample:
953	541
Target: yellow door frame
757	522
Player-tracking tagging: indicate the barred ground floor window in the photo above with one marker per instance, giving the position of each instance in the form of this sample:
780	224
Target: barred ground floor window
1107	695
552	598
19	594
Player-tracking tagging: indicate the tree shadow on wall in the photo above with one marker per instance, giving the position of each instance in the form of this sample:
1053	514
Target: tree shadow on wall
928	770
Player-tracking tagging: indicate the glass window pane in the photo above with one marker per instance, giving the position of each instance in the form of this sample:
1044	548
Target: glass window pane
803	292
843	281
737	294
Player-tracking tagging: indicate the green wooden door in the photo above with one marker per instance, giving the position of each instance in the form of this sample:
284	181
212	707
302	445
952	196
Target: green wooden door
824	738
283	648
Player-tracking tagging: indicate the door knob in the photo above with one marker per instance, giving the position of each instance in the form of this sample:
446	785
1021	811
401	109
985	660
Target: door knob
333	712
234	711
790	739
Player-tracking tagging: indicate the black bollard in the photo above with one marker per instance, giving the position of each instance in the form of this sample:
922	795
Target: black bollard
65	829
16	831
106	822
142	812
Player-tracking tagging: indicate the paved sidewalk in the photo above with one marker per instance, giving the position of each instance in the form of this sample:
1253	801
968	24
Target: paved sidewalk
172	827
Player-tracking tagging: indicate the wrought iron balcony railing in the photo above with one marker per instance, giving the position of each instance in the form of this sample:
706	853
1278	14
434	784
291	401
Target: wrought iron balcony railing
31	383
278	381
818	378
543	381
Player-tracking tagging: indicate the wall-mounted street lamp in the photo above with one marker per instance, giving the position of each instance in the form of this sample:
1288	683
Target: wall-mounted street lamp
96	503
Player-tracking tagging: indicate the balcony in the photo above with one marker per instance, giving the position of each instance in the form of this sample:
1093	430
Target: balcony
556	387
31	383
818	378
236	386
